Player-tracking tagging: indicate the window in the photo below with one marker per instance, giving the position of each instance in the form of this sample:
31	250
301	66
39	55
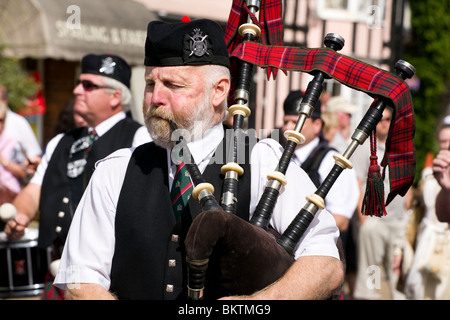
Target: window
369	11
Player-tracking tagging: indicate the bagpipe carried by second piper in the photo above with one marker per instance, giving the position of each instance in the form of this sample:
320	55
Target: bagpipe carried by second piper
250	263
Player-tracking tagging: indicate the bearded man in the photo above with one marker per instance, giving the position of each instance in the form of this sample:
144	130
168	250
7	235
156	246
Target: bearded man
127	240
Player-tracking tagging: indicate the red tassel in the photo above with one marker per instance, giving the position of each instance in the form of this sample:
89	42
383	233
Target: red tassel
373	203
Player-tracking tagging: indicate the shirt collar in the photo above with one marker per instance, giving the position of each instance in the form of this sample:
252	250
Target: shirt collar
104	127
202	149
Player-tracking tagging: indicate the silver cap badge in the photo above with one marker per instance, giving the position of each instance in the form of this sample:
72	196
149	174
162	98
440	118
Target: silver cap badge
108	66
198	44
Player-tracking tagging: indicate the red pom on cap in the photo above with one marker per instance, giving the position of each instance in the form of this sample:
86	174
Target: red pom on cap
185	19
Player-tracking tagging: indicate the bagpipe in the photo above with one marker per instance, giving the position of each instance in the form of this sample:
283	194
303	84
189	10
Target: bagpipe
251	262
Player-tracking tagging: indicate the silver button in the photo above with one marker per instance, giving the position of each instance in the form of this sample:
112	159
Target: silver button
172	263
65	200
61	214
174	238
169	288
58	229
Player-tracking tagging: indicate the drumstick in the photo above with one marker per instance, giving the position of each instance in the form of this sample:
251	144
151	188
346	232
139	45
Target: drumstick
9	212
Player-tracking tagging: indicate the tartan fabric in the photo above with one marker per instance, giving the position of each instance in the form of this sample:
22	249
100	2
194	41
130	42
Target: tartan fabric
400	151
50	292
271	26
92	137
270	54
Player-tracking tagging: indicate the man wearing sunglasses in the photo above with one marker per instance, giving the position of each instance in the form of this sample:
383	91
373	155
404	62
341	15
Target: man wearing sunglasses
102	98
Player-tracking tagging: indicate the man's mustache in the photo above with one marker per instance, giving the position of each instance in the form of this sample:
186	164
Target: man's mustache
157	112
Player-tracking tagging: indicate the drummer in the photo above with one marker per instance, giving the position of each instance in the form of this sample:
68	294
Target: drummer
102	98
115	247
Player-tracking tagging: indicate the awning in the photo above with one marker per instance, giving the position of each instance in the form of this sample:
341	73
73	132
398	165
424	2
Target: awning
69	29
217	10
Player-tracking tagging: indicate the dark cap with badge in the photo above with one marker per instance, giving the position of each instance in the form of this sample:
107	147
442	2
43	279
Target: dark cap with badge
196	42
107	65
292	104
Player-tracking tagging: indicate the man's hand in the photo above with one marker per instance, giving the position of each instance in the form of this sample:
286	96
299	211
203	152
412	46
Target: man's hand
309	278
15	229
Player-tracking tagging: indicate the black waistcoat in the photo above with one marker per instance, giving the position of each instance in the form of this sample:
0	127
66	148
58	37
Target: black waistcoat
57	204
149	259
312	163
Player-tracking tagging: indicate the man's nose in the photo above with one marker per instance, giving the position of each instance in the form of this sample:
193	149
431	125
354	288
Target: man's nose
78	89
158	95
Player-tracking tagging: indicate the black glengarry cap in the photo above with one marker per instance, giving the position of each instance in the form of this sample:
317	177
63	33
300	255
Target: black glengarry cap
292	104
107	65
197	42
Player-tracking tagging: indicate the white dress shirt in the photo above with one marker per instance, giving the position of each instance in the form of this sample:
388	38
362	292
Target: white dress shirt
343	196
18	127
89	247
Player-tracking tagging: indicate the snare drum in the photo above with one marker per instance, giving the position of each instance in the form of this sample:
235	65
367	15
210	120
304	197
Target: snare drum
23	265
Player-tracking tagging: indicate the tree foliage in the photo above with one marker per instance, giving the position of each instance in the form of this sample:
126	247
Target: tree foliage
429	52
19	84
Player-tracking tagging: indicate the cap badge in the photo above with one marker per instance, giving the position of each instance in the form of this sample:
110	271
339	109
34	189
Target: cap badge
108	66
198	44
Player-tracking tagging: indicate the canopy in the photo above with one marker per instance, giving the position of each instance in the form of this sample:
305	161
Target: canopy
69	29
217	10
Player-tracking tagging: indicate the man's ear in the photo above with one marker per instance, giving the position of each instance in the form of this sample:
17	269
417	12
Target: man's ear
116	99
220	91
317	124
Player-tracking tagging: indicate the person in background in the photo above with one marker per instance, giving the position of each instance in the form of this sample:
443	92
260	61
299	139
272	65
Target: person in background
441	171
380	240
330	129
12	162
343	110
330	125
18	127
315	156
429	274
102	98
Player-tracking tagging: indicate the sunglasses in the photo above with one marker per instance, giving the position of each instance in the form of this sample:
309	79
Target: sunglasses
89	85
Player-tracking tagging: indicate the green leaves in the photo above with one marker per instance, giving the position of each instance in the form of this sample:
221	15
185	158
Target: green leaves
18	83
429	52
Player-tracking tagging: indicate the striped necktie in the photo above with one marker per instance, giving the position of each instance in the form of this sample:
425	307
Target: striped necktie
92	137
181	190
